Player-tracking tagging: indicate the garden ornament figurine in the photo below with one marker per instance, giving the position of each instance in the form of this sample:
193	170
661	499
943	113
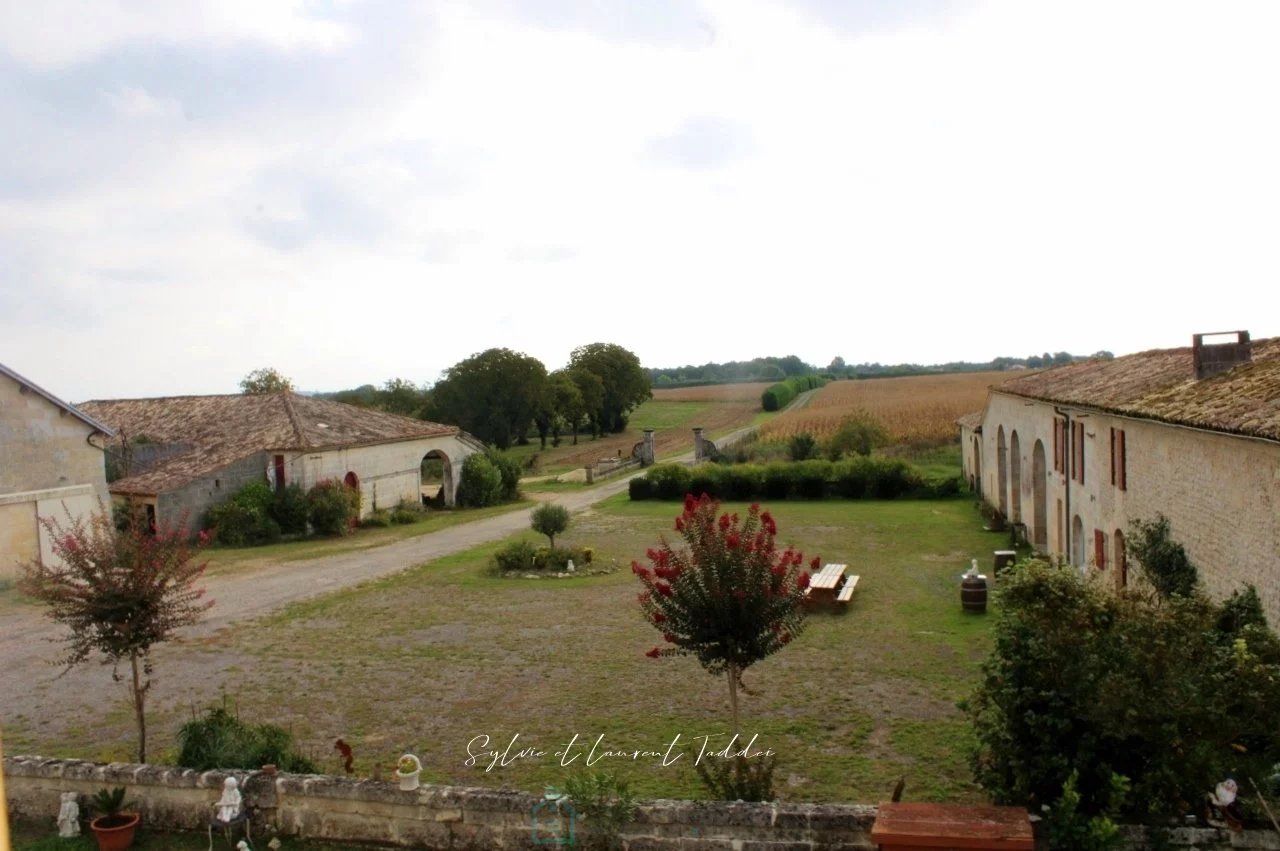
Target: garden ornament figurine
1224	808
69	816
229	804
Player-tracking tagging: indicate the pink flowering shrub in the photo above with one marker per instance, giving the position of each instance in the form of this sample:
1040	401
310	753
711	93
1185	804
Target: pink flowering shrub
729	597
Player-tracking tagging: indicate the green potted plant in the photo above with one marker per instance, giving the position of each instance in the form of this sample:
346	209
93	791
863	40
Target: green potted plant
113	825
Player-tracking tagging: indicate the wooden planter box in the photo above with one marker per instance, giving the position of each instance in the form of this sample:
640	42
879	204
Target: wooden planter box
951	826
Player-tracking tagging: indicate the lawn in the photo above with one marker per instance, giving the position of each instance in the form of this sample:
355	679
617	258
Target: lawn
434	659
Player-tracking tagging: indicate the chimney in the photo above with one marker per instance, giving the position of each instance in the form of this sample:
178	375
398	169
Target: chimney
1213	358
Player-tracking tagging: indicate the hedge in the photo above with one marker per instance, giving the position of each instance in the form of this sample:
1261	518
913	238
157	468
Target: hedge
776	396
855	478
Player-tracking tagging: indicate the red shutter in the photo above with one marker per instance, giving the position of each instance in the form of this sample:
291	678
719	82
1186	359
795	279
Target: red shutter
1079	453
1123	475
1057	446
1099	549
1113	456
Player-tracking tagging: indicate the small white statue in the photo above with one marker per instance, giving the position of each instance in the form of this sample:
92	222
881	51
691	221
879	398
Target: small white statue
1224	809
569	567
243	845
69	815
228	806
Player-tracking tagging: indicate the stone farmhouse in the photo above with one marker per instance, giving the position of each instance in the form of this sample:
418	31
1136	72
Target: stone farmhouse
180	455
51	465
1076	453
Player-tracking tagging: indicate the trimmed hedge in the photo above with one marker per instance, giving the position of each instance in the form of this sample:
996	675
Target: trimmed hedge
856	478
776	396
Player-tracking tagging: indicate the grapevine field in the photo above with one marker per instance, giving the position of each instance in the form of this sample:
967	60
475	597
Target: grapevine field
918	410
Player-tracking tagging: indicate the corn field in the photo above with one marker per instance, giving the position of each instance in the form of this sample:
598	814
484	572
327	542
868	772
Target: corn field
917	410
746	392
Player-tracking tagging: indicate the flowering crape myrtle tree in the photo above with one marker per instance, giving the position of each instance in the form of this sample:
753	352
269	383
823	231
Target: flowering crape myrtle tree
118	593
729	598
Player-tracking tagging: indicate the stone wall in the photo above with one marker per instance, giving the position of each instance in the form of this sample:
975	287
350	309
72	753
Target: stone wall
454	817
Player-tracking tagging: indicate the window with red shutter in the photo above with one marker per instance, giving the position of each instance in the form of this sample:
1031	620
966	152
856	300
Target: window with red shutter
1099	549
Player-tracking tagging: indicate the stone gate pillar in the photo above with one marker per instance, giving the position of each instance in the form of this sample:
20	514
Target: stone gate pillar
699	447
646	449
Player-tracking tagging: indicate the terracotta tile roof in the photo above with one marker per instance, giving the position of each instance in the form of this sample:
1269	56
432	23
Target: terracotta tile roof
210	432
971	421
1161	385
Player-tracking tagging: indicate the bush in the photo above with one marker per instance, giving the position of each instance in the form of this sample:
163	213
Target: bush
640	488
777	396
509	472
706	478
607	804
857	435
1087	682
480	482
246	518
777	480
332	507
742	482
802	447
289	509
377	519
892	478
810	479
853	478
519	555
1163	561
220	740
558	559
670	481
405	513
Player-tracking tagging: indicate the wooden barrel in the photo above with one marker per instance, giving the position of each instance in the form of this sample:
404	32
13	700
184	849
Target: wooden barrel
973	594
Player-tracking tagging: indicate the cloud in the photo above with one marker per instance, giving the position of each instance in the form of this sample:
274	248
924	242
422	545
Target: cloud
703	142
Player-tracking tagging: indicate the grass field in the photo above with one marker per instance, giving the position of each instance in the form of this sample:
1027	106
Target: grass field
918	410
429	660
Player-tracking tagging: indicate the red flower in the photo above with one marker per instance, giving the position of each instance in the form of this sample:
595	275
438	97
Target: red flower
724	522
203	537
654	653
70	544
669	637
740	595
659	617
785	638
815	564
642	572
803	582
651	554
689	503
732	541
679	524
663	589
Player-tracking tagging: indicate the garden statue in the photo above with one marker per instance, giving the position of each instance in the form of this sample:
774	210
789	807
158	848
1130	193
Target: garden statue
243	845
69	816
229	804
1224	808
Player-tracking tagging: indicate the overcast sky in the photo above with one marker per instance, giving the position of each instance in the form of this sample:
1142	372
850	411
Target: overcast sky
350	191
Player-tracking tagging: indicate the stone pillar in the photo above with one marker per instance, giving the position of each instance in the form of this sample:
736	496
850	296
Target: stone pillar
646	449
699	449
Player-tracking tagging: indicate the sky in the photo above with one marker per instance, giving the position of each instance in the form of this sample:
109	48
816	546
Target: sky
350	191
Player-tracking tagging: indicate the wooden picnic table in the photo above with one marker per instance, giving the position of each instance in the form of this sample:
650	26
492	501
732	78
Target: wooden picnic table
831	585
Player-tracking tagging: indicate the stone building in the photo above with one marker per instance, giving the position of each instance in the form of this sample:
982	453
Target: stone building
1077	453
179	455
51	465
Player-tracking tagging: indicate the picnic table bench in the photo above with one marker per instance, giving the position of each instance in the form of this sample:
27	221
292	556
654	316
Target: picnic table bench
831	584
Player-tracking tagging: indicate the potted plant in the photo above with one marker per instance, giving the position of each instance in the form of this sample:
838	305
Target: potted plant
113	826
407	770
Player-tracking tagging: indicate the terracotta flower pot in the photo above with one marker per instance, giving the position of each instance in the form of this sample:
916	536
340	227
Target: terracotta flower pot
115	833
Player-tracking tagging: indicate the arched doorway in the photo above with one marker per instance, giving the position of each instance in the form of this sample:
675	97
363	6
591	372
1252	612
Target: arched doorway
1077	542
351	480
1002	468
1015	476
1039	498
436	483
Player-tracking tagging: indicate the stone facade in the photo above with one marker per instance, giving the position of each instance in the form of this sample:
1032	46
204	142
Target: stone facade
1221	492
49	467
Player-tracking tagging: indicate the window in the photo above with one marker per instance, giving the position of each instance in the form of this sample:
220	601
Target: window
279	463
1077	452
1059	446
1099	549
1119	476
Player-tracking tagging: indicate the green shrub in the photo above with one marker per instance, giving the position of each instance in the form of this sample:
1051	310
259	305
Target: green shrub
802	447
670	481
220	740
1163	561
245	519
607	805
379	518
857	435
559	558
509	471
518	555
289	509
776	397
853	478
940	487
406	513
332	507
549	519
480	482
739	779
810	479
742	482
706	478
640	488
892	478
777	481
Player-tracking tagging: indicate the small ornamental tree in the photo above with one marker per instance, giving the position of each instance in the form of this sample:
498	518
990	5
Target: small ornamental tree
550	519
118	593
729	598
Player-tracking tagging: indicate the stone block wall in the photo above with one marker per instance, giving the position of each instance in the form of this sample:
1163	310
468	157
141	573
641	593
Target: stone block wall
453	817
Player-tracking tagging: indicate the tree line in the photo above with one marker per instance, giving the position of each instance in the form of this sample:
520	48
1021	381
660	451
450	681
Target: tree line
502	397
